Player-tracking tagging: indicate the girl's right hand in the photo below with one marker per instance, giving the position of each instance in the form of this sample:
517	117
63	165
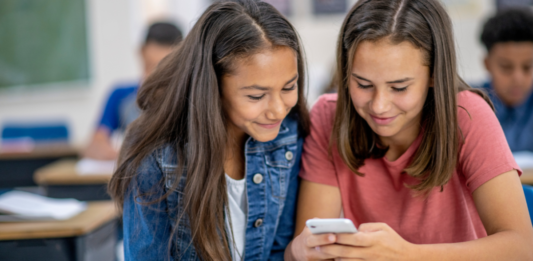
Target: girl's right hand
305	246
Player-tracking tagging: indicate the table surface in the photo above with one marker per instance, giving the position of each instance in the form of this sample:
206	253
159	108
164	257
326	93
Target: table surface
97	214
63	172
41	151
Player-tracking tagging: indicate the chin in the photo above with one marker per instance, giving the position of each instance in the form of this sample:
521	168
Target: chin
384	131
264	138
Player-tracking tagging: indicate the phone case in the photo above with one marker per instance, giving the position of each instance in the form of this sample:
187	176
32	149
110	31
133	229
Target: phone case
332	225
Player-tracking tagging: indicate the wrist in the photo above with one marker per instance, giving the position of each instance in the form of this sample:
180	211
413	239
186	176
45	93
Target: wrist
288	256
415	252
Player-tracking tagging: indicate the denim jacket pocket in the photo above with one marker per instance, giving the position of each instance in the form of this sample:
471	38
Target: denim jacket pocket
279	165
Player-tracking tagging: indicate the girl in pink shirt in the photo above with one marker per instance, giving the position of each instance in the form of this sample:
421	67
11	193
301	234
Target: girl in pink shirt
407	151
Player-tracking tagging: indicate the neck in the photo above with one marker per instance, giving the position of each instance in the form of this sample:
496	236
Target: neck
234	152
400	143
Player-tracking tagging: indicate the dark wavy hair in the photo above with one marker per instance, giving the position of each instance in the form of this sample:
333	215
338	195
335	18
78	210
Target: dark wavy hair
426	25
181	106
508	25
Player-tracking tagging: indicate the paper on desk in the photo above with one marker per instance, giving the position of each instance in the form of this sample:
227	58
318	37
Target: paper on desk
20	205
95	167
524	159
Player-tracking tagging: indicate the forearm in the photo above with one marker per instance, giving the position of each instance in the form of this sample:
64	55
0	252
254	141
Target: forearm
506	245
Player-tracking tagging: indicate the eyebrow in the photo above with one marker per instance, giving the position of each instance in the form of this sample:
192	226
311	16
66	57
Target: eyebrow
264	88
391	82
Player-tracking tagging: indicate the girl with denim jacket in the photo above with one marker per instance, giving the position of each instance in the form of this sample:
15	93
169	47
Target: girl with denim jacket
209	171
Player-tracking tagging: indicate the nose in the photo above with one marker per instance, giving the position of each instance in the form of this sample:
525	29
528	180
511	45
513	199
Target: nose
380	102
519	76
276	109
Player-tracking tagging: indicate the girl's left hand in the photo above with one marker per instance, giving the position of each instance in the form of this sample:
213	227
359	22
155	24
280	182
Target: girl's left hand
374	241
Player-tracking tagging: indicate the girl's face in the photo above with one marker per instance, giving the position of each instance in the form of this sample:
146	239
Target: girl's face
388	86
260	92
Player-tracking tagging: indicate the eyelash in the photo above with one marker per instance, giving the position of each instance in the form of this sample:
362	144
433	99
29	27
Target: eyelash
291	88
395	89
256	98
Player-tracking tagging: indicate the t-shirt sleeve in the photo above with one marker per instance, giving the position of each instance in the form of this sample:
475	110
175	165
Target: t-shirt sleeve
317	164
111	116
485	152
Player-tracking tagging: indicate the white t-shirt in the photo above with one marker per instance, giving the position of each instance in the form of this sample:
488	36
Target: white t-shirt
238	209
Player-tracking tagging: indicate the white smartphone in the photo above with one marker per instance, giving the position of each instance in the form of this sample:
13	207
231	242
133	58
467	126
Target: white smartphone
331	225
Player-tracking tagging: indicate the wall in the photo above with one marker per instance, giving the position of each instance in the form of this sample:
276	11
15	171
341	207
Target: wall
116	28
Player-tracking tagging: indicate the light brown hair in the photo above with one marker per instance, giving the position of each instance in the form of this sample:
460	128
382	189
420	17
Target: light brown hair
426	25
181	106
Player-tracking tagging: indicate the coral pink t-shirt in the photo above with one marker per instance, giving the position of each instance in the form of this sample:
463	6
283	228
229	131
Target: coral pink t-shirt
380	196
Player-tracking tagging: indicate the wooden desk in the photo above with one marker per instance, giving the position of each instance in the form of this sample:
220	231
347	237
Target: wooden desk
17	168
89	236
97	214
60	180
527	177
63	172
54	150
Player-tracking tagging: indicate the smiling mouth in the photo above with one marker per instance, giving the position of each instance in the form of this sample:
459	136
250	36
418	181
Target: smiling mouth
269	126
381	120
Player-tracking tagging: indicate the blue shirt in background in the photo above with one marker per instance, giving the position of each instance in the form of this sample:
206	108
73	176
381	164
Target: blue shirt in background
121	108
517	122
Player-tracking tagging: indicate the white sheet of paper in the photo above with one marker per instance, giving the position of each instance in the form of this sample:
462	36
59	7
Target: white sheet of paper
33	206
95	167
524	159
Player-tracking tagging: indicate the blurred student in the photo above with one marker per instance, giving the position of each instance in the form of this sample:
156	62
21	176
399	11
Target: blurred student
407	151
508	37
209	171
121	108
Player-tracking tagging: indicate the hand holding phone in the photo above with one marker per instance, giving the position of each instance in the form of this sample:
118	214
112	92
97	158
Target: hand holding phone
331	225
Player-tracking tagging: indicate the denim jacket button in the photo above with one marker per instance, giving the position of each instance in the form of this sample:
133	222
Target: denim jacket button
258	178
288	155
258	222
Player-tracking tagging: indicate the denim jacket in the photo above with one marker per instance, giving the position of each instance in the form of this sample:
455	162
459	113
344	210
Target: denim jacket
272	186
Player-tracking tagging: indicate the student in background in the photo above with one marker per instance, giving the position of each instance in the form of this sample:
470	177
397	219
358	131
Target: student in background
121	108
508	37
407	151
209	171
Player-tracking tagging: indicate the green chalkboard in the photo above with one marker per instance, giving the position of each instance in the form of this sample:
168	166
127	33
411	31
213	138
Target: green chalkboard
42	42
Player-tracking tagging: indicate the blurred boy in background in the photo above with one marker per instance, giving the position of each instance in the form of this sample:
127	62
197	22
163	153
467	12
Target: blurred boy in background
121	108
508	37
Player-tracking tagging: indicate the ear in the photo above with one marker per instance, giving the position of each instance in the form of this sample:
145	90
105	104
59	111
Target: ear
486	62
431	82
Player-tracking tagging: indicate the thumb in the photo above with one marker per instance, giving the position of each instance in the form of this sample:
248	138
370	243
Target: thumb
372	227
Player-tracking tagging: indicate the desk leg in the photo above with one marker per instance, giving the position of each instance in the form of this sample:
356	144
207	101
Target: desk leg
99	245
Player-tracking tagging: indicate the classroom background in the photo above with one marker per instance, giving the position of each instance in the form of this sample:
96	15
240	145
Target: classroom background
59	63
115	29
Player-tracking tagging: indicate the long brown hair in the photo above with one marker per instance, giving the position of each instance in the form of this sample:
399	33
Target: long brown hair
181	106
426	25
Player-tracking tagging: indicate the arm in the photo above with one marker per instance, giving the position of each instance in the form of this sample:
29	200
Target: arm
100	147
502	208
315	201
147	226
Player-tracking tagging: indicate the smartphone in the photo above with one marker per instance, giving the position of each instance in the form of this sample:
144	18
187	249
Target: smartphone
331	225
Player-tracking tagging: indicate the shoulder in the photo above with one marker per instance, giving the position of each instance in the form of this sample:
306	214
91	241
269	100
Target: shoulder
472	108
161	161
323	112
325	107
328	100
123	90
